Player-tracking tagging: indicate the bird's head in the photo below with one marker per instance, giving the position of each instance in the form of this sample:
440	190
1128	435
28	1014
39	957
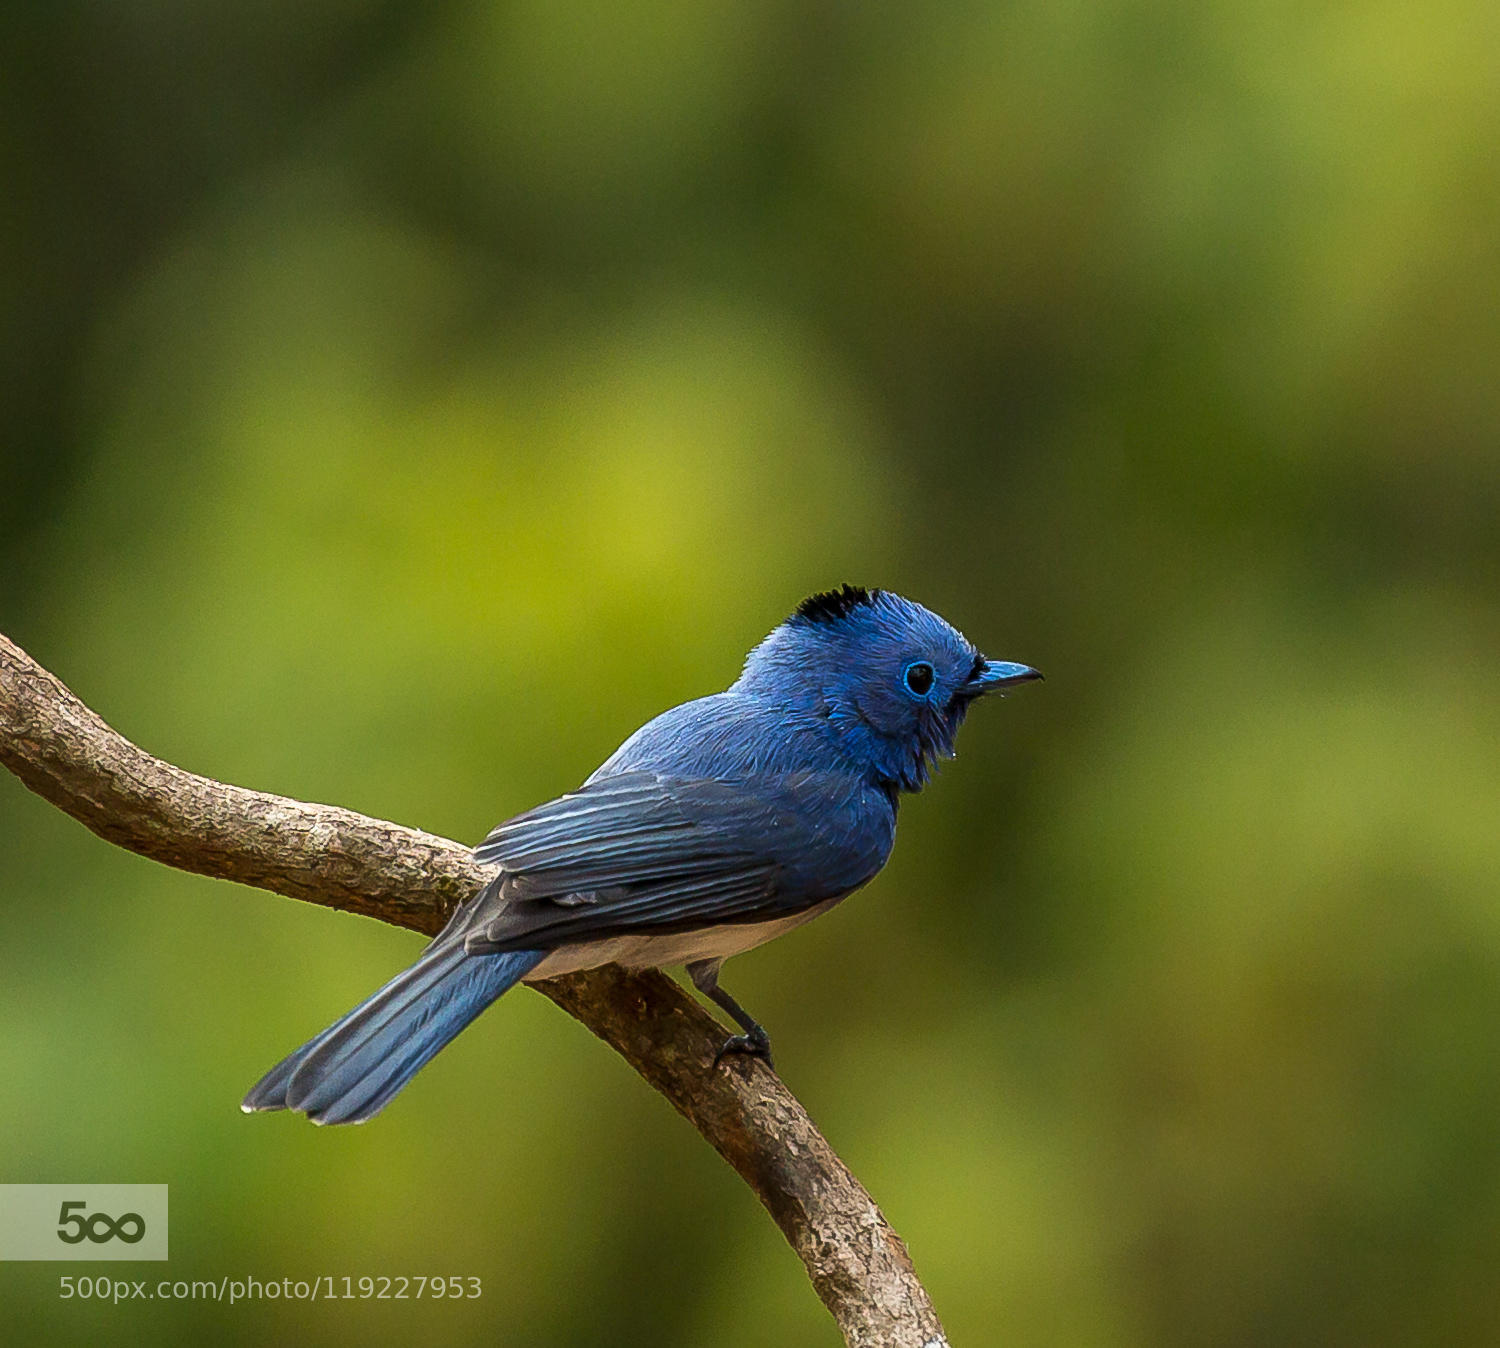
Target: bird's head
891	679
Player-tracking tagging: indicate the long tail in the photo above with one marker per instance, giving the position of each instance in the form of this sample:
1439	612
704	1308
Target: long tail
351	1071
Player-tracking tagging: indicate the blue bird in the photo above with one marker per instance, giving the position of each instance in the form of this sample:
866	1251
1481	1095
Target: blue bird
720	824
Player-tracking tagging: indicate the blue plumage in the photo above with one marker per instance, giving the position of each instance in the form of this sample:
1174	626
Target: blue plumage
716	826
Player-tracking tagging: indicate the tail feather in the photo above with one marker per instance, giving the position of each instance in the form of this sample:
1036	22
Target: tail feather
355	1067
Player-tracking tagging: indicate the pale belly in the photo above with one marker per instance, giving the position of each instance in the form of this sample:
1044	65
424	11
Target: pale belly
683	947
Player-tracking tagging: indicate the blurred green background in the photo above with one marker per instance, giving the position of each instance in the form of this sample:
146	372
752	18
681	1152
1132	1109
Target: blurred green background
403	402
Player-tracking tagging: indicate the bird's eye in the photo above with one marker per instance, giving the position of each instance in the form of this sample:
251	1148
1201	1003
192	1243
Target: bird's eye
918	678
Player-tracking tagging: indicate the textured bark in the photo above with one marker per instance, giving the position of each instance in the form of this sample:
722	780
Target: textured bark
327	855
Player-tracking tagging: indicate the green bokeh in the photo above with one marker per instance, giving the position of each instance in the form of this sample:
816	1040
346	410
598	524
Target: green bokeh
405	402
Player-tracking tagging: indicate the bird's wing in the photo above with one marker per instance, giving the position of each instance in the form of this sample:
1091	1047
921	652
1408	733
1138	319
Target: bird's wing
640	851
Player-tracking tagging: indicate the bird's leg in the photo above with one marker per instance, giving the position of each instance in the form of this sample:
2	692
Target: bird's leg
755	1041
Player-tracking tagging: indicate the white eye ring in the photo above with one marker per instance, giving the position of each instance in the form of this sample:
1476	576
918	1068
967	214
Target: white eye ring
918	677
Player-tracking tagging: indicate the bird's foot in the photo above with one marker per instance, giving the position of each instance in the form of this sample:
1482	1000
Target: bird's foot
757	1043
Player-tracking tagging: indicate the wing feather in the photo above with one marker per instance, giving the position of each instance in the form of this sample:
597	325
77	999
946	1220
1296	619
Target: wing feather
639	852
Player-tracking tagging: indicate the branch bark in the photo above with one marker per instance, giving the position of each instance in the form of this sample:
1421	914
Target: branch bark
323	854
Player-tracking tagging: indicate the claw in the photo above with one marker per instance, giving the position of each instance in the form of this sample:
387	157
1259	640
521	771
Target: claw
757	1043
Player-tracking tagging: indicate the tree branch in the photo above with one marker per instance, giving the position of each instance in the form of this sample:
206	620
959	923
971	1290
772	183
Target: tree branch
335	857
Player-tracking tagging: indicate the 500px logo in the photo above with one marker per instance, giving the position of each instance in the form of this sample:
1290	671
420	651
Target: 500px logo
74	1222
100	1226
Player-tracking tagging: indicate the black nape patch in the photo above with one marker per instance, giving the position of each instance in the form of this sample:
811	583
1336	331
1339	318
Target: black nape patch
831	605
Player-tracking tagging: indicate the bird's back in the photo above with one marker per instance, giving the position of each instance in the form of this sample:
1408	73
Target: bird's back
831	828
725	737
